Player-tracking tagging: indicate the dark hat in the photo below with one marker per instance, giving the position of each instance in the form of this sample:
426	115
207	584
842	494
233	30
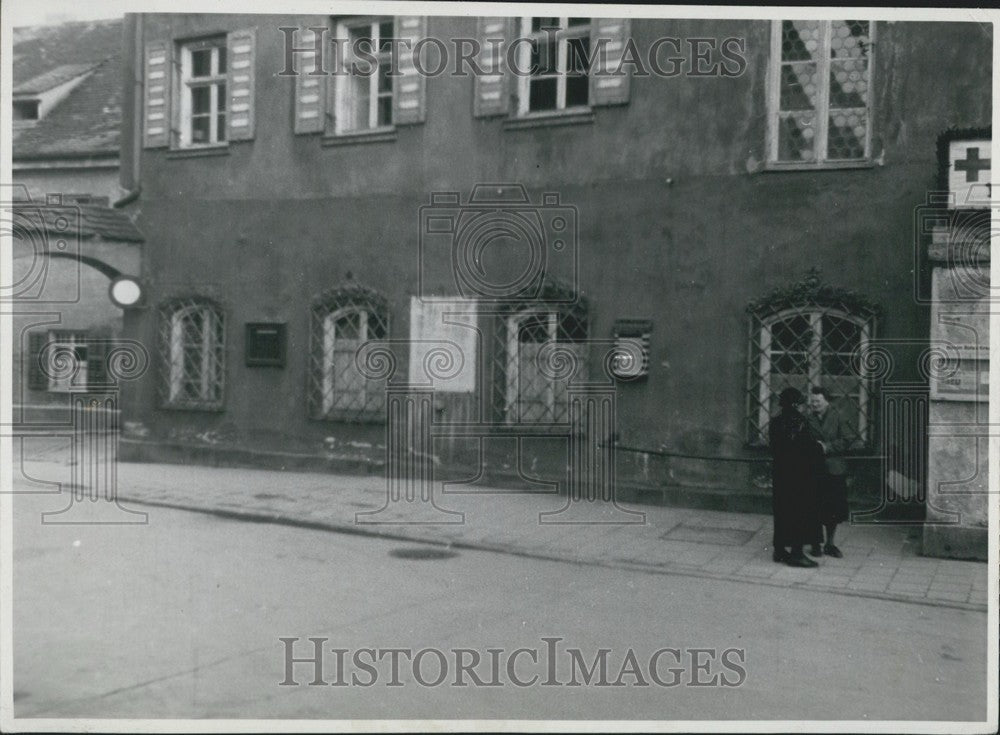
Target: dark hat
790	397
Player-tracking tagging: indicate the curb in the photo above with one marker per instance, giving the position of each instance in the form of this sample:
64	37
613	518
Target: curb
660	569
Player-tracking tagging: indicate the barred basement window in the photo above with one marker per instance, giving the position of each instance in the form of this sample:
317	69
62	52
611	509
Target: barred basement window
192	347
342	322
808	336
820	91
535	340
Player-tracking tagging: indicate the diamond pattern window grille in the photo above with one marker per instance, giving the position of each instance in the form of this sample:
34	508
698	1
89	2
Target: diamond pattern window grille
192	351
821	109
809	335
525	390
343	320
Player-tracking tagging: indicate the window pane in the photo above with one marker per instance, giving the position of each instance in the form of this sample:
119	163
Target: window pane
578	21
799	86
222	59
357	102
578	53
221	127
544	59
848	84
792	333
201	63
537	24
839	335
201	100
849	39
385	36
543	94
534	328
847	134
384	111
200	129
384	80
221	97
797	137
800	40
577	90
348	326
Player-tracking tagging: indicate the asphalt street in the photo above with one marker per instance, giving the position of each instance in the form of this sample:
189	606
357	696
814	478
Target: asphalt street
182	618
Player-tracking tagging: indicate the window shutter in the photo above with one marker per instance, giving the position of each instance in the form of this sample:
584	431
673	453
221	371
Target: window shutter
37	379
97	364
158	78
310	89
241	55
610	90
491	88
408	101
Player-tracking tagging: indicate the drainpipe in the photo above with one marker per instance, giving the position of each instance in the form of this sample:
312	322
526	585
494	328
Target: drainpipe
131	133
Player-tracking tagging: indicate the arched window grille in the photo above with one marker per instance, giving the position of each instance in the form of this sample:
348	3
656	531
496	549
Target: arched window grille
803	336
527	393
343	320
192	352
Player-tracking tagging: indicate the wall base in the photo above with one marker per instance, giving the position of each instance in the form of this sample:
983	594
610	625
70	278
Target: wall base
955	542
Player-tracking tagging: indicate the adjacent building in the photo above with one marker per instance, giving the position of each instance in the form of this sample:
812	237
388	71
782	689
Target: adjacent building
68	239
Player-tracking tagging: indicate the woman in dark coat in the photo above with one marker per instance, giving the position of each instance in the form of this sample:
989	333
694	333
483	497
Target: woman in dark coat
797	458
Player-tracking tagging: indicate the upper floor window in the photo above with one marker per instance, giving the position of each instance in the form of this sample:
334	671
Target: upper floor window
199	93
372	86
364	97
557	59
820	92
203	92
563	68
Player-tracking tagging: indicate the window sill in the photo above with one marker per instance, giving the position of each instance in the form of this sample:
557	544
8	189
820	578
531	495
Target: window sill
378	135
199	151
576	116
827	166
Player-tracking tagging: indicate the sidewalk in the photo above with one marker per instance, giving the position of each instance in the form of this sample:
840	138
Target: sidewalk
880	561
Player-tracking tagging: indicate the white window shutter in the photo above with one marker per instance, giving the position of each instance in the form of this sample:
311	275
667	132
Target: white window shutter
490	89
607	87
240	60
158	77
310	89
409	90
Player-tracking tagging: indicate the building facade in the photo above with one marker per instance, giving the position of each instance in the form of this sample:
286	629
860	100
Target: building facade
737	206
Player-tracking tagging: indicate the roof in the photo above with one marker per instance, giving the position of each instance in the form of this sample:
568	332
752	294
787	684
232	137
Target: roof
52	78
88	121
95	221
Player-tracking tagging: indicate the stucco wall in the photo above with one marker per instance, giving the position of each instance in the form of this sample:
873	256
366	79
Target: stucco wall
677	221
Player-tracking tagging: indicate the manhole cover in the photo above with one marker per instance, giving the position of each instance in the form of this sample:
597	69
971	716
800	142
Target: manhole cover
422	552
708	535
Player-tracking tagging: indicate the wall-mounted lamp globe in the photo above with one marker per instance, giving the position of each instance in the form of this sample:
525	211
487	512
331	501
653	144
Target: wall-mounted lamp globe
126	292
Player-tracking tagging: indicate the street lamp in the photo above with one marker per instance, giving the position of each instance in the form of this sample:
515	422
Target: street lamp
126	292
